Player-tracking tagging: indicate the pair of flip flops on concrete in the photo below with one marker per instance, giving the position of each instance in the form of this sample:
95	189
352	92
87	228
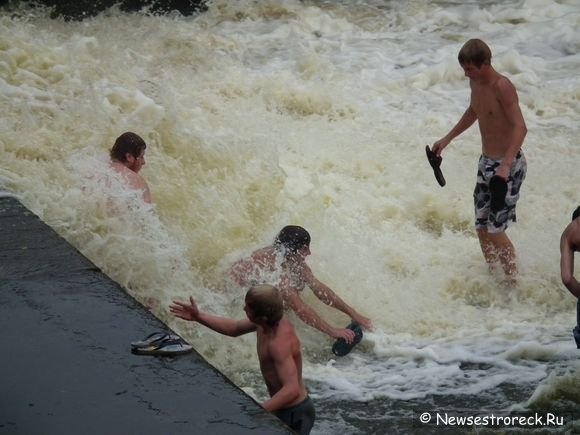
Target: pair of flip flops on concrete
161	343
497	185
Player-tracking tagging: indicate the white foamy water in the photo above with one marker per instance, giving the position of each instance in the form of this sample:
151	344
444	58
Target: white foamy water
262	114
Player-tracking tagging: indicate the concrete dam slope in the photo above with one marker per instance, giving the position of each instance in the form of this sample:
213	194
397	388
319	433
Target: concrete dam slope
66	362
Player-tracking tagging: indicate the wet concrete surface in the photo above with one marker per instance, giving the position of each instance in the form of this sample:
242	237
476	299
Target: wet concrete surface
65	360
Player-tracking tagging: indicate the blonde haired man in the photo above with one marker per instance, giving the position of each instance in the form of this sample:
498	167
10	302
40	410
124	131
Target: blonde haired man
494	105
278	347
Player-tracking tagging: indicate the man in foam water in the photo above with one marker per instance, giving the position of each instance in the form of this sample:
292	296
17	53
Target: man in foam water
570	243
285	262
279	351
127	158
494	104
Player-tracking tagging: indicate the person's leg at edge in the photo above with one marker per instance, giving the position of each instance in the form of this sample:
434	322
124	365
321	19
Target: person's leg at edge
497	246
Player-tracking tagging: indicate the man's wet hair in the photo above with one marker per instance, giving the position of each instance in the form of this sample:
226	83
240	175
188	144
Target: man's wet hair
475	52
576	213
293	238
127	143
266	304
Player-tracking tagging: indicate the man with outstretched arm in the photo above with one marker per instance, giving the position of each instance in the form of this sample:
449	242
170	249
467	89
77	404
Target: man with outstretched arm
494	104
569	244
284	265
279	351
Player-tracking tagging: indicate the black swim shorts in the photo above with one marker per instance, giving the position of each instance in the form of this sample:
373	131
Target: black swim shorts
299	417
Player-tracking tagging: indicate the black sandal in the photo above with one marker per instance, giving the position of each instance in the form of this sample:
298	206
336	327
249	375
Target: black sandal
341	347
435	162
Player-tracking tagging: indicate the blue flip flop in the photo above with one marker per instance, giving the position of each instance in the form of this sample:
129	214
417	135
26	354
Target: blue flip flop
165	347
154	338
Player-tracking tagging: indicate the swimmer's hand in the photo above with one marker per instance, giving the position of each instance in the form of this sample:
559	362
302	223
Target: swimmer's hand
439	145
364	322
344	333
185	311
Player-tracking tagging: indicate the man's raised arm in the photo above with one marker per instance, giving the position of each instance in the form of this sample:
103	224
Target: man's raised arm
223	325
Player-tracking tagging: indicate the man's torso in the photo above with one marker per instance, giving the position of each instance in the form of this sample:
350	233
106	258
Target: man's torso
494	126
285	337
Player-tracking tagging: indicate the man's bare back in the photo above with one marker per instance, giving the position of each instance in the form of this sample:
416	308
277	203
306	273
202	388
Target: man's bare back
133	179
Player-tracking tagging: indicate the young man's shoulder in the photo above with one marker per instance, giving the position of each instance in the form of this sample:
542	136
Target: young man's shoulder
504	84
571	233
285	331
263	254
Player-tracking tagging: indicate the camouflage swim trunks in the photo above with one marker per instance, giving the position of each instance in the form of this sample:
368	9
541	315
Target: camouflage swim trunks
484	217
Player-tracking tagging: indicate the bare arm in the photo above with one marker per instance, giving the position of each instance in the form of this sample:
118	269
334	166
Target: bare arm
327	296
466	121
288	376
311	318
567	263
508	99
223	325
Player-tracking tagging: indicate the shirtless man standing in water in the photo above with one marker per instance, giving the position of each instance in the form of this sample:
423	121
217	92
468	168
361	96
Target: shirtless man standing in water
286	261
127	158
279	351
494	104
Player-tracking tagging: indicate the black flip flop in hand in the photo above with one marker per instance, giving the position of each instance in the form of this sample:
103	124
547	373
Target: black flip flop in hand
435	162
341	347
